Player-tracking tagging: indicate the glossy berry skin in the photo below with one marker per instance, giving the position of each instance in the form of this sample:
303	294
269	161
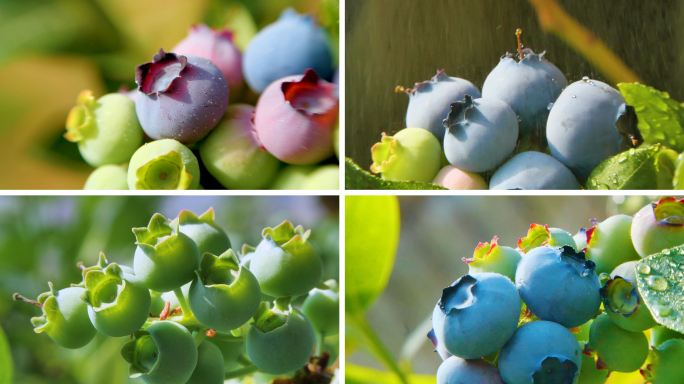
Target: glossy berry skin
455	370
622	300
322	308
494	258
283	349
616	349
233	153
476	315
531	171
543	236
295	118
559	285
210	368
528	86
165	258
412	154
163	353
106	130
203	230
540	351
217	46
453	178
285	263
118	303
287	47
583	128
65	318
658	226
163	164
224	295
666	367
179	97
108	177
609	243
480	134
326	177
430	101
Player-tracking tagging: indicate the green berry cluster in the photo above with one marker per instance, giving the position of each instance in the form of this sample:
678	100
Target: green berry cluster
192	306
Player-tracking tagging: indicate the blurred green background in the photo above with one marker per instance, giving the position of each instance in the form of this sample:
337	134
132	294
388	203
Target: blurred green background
401	42
42	239
50	50
436	233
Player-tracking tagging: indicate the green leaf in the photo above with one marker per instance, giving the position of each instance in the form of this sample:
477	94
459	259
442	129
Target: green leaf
661	284
660	118
633	169
5	360
356	374
372	236
357	178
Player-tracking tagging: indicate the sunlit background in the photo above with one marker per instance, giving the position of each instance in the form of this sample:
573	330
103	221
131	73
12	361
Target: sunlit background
50	50
42	239
437	232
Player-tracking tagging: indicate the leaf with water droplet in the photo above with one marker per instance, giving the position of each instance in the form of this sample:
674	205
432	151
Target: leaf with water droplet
636	169
660	118
661	287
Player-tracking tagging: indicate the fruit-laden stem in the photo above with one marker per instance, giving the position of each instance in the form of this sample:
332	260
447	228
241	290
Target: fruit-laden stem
183	303
199	335
244	371
320	338
18	297
244	360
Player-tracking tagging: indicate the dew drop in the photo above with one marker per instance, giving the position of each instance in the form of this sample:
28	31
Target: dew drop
585	79
574	96
665	311
549	106
644	269
657	283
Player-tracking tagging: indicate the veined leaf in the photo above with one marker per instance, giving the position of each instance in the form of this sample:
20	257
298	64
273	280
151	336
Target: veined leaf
357	178
633	169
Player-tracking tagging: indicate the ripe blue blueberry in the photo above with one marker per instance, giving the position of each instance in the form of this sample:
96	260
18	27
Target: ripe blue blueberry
589	123
430	101
540	352
455	370
476	315
480	134
559	284
533	170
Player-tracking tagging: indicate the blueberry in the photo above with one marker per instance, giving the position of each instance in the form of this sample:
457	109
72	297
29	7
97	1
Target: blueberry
589	123
179	97
661	334
218	47
204	231
210	368
293	176
108	177
287	47
163	164
658	226
430	101
528	86
494	258
325	177
455	370
666	367
533	170
295	118
609	243
540	352
590	374
541	236
559	284
616	349
480	134
412	154
453	178
622	301
476	315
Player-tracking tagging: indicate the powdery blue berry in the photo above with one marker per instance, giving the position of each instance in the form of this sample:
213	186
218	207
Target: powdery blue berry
533	170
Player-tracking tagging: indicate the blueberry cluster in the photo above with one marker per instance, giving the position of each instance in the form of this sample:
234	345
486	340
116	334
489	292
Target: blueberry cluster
457	136
192	306
560	308
191	115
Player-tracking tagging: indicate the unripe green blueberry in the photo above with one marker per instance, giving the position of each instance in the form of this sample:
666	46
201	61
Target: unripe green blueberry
165	258
326	177
171	298
230	349
660	334
616	349
331	344
413	154
280	342
581	239
118	303
589	373
336	139
208	236
622	301
666	367
609	243
494	258
285	263
658	226
322	308
158	303
210	368
293	177
163	164
108	177
543	236
224	295
65	317
163	353
233	153
107	129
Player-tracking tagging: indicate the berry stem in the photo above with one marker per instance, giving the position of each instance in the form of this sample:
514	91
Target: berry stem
183	303
244	360
244	371
320	338
518	32
18	297
199	335
283	303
